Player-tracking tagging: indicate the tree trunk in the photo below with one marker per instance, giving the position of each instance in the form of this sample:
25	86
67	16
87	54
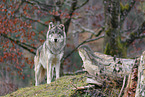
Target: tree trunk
112	41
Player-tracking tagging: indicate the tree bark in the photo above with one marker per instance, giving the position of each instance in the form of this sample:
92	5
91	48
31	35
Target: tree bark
112	40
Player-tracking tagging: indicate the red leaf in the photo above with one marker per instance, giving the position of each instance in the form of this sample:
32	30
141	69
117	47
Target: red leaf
4	0
1	59
23	65
23	77
31	66
5	10
8	69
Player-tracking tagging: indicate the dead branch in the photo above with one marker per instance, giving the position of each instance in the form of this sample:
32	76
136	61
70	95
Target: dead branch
124	80
74	73
74	85
35	20
86	41
23	45
83	28
84	87
124	13
82	4
40	5
136	34
92	81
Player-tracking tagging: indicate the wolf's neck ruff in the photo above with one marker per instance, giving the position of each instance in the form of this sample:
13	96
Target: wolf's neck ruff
53	50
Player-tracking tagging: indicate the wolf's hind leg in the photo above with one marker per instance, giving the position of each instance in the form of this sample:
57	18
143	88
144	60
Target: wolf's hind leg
37	67
52	71
39	74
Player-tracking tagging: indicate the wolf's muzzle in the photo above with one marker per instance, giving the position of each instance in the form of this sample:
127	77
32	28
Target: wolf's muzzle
55	40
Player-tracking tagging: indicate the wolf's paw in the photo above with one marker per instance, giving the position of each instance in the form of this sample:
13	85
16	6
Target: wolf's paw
48	81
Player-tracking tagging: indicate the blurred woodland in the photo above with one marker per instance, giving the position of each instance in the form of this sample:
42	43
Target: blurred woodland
112	27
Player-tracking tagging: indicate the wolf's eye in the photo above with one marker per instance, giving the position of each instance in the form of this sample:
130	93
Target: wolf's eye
59	32
53	32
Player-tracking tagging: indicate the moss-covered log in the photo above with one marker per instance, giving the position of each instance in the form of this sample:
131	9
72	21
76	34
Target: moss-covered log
103	68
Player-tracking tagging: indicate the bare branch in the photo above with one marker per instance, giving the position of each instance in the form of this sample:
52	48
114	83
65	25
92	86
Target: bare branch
136	34
122	86
72	9
125	12
23	45
18	7
83	28
74	85
39	5
74	73
83	87
140	37
82	4
35	20
86	41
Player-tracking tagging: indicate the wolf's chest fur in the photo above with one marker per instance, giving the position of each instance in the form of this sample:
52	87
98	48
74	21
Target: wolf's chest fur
46	55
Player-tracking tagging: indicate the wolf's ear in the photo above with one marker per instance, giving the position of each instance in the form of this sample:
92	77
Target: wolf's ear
62	27
50	25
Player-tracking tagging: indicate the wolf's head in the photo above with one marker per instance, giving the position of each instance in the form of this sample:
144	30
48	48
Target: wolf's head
56	38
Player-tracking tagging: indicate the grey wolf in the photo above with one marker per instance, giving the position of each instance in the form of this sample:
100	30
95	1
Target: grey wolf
48	56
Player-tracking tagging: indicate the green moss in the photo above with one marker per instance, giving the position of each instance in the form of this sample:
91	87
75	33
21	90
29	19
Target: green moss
120	45
121	7
107	49
124	7
108	31
118	49
121	48
62	87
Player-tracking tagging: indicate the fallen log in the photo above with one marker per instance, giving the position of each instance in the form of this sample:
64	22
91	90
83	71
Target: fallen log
104	68
100	64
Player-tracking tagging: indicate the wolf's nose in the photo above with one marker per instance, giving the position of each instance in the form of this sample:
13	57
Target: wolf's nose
55	40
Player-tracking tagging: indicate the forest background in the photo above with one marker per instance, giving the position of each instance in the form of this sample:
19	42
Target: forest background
113	27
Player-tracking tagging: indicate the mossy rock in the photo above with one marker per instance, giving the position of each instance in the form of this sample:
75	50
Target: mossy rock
62	87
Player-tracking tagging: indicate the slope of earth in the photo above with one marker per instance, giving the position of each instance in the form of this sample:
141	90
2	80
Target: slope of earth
62	87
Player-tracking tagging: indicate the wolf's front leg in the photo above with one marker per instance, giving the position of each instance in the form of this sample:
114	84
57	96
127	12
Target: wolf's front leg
57	67
49	72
